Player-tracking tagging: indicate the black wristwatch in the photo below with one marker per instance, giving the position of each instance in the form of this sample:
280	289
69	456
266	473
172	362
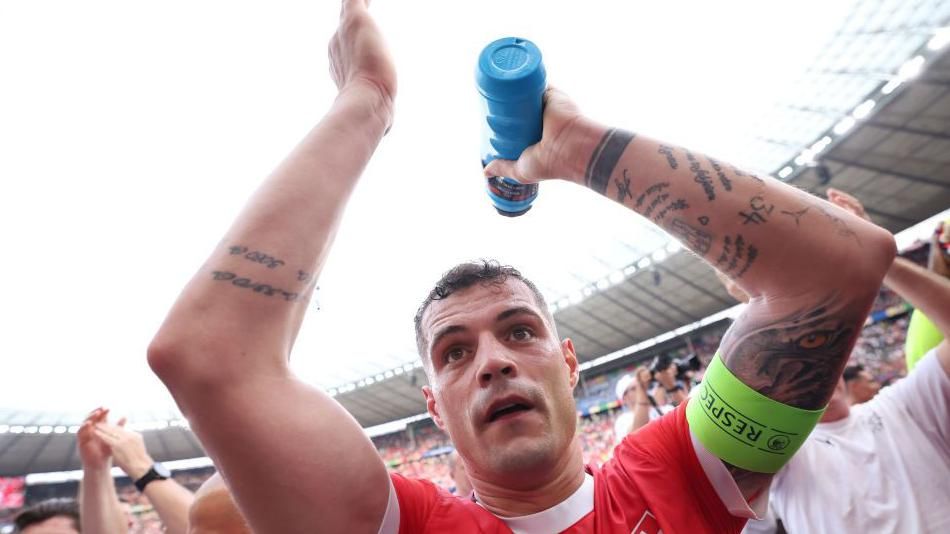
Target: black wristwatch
156	472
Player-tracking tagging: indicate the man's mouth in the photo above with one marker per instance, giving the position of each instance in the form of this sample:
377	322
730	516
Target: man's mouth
507	408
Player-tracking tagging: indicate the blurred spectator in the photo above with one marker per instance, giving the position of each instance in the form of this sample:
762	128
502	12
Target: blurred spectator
859	384
55	516
640	408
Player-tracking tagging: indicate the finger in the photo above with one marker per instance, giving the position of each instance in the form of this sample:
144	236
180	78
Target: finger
106	436
503	167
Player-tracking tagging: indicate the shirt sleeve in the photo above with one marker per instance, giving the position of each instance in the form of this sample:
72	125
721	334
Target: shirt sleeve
661	460
925	397
410	503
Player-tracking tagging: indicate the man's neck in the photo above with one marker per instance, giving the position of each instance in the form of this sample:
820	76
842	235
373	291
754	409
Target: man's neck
561	481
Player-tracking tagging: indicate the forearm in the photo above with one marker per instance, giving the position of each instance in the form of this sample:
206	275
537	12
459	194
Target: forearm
785	248
253	291
172	502
925	290
773	239
100	510
641	413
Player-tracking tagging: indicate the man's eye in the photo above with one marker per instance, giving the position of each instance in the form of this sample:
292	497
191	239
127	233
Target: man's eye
521	334
454	355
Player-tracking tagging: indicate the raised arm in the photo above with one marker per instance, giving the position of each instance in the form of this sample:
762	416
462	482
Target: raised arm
99	507
170	499
294	459
782	246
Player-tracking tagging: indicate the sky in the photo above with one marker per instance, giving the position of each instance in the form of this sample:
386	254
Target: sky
131	133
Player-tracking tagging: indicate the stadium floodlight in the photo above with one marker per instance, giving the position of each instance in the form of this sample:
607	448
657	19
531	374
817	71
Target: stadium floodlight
616	277
890	86
820	145
388	374
863	109
940	39
32	429
643	263
575	297
805	158
380	377
407	368
629	270
910	68
16	429
73	429
331	392
659	256
397	371
844	125
46	429
673	247
4	429
563	303
785	172
59	429
588	291
603	284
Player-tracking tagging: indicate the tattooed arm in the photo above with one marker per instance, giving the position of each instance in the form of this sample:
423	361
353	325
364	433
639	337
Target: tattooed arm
223	350
783	247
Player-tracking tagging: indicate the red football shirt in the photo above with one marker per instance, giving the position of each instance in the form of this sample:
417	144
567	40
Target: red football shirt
653	484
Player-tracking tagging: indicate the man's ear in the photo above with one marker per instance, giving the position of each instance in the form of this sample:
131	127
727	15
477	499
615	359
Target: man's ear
570	358
432	407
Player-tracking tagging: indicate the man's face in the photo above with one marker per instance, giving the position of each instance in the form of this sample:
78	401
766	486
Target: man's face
501	381
863	387
53	525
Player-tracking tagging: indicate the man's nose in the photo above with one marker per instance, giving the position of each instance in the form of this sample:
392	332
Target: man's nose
495	361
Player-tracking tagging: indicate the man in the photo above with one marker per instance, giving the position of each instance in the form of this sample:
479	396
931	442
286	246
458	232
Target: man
55	516
500	379
668	391
640	408
884	465
859	384
214	512
100	443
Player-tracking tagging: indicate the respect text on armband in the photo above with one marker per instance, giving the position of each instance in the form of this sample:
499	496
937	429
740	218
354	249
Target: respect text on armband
744	429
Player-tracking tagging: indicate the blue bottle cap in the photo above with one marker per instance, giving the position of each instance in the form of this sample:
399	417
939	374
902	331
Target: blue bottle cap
510	69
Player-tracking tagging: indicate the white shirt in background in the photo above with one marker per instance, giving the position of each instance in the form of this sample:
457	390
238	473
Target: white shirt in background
884	468
625	420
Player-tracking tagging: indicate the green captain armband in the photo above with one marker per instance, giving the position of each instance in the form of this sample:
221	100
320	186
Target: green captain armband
743	427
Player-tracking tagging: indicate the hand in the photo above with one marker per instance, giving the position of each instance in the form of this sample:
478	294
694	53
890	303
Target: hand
847	203
556	155
643	377
359	57
93	452
127	446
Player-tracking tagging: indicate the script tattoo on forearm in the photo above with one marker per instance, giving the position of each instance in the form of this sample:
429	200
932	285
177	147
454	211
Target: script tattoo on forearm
670	158
796	359
699	241
260	288
701	176
654	189
256	256
737	256
723	179
604	159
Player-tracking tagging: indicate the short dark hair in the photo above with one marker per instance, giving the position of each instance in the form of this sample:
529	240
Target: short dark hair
661	363
464	275
48	509
852	371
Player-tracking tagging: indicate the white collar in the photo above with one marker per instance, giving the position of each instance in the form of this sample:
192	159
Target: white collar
559	517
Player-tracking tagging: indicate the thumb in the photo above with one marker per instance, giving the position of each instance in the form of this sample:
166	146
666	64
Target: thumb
503	167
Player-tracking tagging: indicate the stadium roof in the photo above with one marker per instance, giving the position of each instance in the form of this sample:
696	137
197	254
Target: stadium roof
628	288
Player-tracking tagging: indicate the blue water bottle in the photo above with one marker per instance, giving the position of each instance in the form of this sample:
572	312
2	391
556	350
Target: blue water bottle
511	80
